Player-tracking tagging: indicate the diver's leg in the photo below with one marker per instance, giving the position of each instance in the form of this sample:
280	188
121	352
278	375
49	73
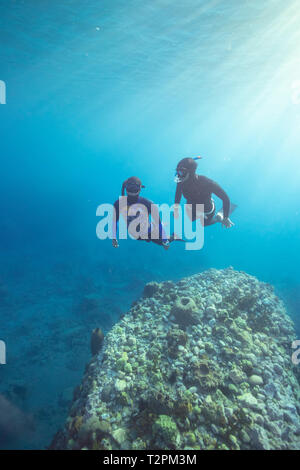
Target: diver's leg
211	220
219	217
189	212
192	215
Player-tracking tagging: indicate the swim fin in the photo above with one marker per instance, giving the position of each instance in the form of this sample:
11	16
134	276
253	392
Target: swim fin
231	210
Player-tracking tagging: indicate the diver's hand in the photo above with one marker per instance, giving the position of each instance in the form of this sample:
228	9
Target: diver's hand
227	223
115	243
166	244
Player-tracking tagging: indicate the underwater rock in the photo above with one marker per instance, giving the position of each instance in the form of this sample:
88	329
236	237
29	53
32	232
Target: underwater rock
185	311
120	385
256	380
176	337
151	289
120	435
204	374
248	401
237	376
165	429
259	439
200	370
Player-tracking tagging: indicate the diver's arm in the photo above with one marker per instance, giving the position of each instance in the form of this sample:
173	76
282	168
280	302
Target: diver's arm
218	191
178	194
178	197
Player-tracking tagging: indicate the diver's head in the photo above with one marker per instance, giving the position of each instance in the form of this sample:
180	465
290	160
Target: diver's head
133	186
185	169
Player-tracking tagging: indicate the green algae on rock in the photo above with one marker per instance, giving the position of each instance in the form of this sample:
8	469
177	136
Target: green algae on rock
204	363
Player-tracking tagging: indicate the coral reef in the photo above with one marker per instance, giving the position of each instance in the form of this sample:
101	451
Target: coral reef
204	363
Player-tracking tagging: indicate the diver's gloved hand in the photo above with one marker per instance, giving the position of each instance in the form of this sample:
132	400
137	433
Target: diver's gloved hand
227	223
115	243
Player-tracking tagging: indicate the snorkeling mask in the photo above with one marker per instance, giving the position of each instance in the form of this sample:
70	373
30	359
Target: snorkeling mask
133	189
184	168
181	175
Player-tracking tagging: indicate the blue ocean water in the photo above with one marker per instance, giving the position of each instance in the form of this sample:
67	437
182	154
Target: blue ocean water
99	91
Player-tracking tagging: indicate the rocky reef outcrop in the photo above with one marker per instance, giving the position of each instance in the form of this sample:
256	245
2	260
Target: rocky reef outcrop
204	363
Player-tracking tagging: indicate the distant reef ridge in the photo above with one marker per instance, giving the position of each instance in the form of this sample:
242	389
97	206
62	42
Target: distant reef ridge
204	363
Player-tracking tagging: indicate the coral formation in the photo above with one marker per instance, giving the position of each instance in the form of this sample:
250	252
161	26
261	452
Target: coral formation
185	311
204	363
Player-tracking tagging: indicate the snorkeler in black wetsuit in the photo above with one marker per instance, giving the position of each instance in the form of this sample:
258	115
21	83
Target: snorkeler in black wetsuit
150	232
198	189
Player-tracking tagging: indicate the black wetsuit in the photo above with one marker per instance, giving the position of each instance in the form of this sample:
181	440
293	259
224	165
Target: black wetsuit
198	189
149	205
